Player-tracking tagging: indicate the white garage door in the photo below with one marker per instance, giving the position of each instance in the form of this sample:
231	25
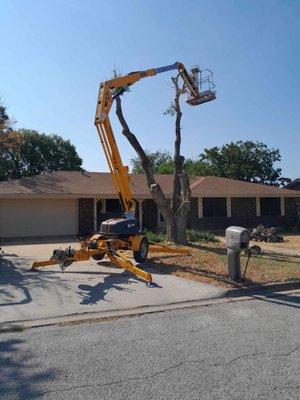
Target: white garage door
38	217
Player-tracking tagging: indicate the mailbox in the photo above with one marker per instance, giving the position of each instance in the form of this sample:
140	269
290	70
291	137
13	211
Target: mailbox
237	239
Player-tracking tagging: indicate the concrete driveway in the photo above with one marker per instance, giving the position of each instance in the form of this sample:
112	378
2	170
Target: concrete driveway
84	287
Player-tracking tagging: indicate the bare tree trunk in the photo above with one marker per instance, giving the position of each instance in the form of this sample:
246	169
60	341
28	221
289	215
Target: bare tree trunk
155	189
181	186
175	213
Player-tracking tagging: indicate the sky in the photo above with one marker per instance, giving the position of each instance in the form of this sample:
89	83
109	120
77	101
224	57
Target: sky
55	53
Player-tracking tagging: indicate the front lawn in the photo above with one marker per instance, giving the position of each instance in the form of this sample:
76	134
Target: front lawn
207	262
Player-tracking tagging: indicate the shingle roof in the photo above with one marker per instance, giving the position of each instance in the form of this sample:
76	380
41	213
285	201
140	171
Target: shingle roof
77	184
213	186
99	184
294	185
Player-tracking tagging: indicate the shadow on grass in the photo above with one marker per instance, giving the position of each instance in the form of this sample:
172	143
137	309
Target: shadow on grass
21	376
172	268
217	250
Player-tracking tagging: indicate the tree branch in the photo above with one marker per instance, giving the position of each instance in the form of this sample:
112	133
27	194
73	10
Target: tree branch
146	164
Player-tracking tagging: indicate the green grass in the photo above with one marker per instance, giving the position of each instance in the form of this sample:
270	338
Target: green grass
155	237
199	236
193	236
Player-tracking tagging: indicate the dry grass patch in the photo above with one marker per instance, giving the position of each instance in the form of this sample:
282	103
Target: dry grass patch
207	263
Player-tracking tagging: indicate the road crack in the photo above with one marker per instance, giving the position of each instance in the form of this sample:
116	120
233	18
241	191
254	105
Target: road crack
169	368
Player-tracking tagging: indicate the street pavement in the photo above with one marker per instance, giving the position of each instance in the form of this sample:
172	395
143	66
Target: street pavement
85	287
236	350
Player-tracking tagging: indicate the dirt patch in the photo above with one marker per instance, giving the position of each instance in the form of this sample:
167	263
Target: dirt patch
207	263
291	245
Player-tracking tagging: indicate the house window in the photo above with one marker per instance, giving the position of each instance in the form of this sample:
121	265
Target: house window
270	206
113	206
214	207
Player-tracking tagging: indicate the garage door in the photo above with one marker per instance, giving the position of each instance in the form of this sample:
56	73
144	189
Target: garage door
38	217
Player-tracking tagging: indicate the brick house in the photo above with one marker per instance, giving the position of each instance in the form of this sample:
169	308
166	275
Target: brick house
295	185
70	203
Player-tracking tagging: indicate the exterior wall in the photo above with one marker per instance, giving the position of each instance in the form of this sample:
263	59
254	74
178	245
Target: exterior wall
243	207
243	211
290	207
149	215
85	216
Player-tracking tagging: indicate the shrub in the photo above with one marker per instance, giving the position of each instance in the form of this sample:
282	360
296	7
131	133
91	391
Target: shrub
155	237
198	236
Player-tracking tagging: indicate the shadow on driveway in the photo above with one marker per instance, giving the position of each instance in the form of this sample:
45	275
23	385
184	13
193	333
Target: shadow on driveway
9	275
113	281
21	377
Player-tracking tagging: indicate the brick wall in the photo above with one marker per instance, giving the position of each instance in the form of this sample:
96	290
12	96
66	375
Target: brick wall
243	211
290	207
149	214
242	207
85	216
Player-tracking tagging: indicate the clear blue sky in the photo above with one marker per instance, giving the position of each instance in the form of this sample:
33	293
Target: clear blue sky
55	53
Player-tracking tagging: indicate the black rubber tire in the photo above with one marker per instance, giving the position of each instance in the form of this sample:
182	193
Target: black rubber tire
141	255
98	257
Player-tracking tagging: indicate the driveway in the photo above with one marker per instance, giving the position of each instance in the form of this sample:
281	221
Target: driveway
85	287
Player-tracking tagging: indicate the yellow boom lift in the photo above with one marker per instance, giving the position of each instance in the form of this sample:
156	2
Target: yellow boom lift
118	235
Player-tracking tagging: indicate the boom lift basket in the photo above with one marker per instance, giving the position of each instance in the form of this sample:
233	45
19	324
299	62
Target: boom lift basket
203	79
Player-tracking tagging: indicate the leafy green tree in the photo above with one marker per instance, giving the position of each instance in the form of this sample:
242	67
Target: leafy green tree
247	161
27	152
161	162
5	121
244	160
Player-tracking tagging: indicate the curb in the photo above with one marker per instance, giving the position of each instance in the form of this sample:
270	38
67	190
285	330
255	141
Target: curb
17	326
257	289
230	296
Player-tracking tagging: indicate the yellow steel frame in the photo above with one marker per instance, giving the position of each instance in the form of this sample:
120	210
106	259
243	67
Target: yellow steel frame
114	249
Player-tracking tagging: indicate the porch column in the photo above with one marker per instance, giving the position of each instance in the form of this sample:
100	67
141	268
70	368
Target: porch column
228	206
95	213
282	207
258	213
103	206
140	201
200	207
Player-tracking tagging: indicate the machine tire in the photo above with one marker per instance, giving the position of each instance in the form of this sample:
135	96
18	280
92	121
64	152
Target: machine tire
98	257
141	255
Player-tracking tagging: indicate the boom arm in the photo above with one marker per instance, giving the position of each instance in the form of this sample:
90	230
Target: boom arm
118	171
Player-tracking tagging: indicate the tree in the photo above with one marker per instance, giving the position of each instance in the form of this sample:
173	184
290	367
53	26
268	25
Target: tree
244	160
27	152
163	163
5	121
175	213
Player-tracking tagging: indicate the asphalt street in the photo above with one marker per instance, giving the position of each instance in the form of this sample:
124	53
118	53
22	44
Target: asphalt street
235	350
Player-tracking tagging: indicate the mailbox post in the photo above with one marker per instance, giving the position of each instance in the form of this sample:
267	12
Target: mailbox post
237	239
